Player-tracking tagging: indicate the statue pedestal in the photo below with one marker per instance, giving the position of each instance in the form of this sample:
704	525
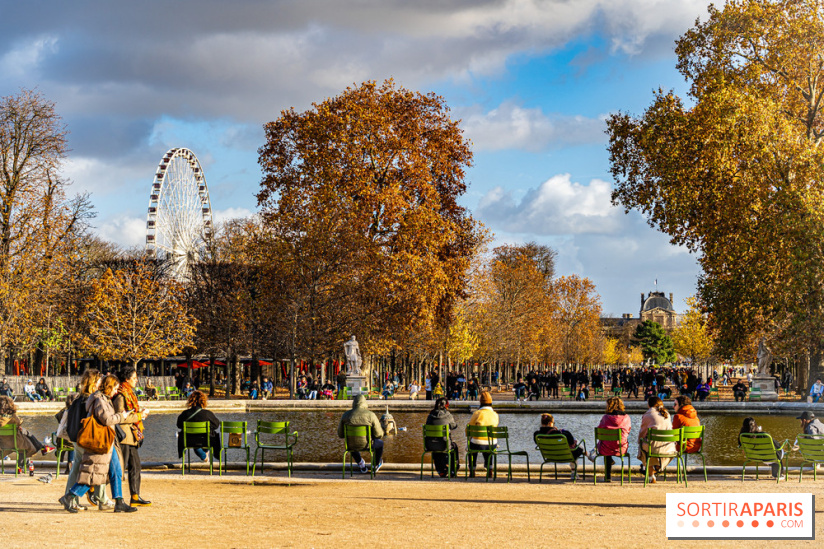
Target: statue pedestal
767	386
357	385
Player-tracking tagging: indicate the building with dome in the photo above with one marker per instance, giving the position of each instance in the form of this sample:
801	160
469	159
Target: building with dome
659	309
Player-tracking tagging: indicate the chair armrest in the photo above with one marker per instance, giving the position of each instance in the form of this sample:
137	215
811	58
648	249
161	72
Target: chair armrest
581	443
294	434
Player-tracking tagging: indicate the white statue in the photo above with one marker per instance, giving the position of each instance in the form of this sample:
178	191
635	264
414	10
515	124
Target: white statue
353	357
764	359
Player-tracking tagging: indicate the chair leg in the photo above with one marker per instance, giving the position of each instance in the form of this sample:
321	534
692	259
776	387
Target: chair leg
422	456
528	478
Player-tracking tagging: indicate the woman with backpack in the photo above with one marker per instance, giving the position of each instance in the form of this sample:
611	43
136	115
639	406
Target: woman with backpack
100	468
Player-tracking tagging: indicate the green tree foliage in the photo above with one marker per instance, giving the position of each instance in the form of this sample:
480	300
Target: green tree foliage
655	343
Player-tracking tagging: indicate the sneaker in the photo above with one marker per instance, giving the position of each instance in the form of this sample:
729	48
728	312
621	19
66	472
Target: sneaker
573	476
591	455
92	499
652	479
46	449
363	467
378	467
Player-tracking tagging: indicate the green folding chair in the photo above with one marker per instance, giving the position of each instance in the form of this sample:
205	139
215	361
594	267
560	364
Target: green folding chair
59	394
277	429
502	448
232	428
616	391
663	436
480	432
195	428
61	446
693	433
611	435
440	432
555	449
811	448
350	433
10	430
172	393
759	449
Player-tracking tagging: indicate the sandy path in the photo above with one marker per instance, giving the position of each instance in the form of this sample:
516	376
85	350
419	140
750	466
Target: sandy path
396	510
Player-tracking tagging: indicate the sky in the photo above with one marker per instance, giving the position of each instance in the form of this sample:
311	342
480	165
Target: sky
532	82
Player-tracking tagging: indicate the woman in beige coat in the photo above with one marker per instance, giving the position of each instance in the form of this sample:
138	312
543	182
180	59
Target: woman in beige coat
102	468
656	417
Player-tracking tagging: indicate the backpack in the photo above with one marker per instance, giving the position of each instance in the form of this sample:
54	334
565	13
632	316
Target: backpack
76	414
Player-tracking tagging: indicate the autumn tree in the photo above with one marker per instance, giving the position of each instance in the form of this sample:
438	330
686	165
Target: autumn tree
362	229
654	342
736	173
135	312
692	337
574	329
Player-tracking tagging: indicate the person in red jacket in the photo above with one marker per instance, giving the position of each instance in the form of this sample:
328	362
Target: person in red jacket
615	418
686	416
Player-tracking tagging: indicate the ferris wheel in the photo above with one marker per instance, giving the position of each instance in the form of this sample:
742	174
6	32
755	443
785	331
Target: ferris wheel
180	213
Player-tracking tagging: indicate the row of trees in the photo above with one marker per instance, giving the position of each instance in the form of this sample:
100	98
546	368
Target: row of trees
736	173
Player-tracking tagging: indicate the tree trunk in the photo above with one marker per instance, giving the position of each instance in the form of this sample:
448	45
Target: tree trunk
211	375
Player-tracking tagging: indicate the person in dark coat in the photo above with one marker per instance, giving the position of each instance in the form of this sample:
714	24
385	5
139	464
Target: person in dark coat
440	416
196	411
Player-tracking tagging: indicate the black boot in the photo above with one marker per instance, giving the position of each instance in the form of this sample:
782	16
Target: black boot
122	506
67	501
138	501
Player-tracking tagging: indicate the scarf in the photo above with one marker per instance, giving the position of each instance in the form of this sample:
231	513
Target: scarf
131	401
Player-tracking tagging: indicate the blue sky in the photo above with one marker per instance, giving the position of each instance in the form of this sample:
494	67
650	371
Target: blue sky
531	80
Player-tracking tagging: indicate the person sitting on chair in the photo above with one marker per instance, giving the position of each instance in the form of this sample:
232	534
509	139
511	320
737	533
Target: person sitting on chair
42	389
520	389
656	417
151	390
750	426
440	416
740	391
360	415
582	393
388	390
483	416
196	411
548	428
31	392
5	389
414	389
702	391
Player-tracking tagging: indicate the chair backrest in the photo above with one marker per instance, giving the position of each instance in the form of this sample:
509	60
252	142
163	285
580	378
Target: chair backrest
234	427
195	428
272	427
436	431
692	433
663	436
476	431
811	447
610	435
72	390
354	432
9	430
554	447
758	447
500	433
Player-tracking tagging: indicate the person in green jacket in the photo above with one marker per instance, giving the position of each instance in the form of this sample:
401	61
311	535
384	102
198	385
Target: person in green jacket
362	416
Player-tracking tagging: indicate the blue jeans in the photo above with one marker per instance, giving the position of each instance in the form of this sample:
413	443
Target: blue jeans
201	453
377	451
115	474
816	397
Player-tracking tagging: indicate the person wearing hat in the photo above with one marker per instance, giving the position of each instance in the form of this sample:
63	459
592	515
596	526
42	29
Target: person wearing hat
810	425
31	392
484	416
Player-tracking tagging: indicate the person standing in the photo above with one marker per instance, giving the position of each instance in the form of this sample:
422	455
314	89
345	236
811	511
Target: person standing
98	469
427	383
124	401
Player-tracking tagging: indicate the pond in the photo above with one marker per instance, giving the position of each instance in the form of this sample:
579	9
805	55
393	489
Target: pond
318	440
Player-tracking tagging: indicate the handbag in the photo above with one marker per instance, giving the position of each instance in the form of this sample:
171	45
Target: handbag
94	437
120	433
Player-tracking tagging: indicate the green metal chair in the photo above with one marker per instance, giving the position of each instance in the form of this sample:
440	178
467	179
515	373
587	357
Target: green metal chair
597	392
343	394
59	394
759	449
755	393
611	435
811	448
693	433
555	449
714	394
357	431
10	430
664	436
230	428
439	432
616	391
172	393
61	446
480	432
502	434
566	392
276	428
196	428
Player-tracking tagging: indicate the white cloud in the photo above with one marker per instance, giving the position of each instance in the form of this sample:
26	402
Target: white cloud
24	57
558	206
230	213
510	126
124	230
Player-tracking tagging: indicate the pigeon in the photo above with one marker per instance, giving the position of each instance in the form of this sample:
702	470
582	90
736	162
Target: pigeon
46	479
